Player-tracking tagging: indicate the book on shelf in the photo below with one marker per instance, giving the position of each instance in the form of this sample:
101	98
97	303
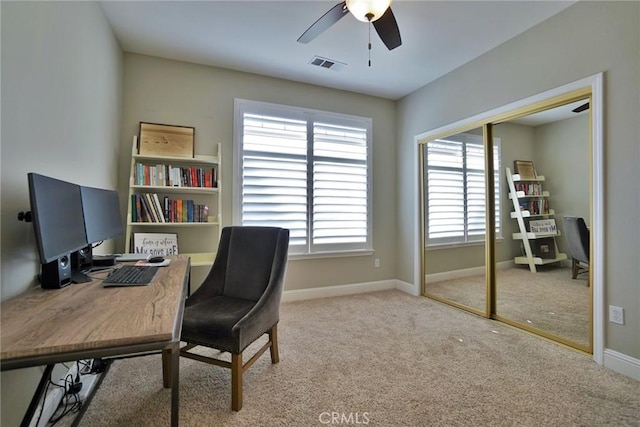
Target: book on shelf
529	188
145	209
158	207
148	207
162	175
535	207
152	209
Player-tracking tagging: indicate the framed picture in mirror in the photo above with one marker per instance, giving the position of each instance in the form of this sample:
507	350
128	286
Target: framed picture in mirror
525	169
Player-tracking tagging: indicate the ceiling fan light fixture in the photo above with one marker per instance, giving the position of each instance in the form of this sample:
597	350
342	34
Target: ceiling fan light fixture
363	9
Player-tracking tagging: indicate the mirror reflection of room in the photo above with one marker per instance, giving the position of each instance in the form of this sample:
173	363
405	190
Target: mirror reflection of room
540	288
542	242
455	205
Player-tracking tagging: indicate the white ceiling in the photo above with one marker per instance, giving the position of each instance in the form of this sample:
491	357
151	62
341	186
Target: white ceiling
260	37
553	115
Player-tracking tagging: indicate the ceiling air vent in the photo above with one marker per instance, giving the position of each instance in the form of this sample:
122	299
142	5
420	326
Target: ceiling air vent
329	64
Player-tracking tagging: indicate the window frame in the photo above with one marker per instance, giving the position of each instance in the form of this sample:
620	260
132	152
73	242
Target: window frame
309	250
443	243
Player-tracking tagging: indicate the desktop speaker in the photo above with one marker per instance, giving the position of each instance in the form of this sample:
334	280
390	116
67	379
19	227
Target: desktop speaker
82	259
56	274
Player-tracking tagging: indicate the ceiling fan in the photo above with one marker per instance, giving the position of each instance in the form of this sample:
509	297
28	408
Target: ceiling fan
376	12
581	108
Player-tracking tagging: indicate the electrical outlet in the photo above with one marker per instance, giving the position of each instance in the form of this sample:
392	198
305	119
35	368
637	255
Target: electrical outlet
376	263
616	314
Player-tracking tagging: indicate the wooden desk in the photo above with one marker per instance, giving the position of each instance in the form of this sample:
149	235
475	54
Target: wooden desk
85	321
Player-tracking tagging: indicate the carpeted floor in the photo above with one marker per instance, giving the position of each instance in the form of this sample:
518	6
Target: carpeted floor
382	359
548	300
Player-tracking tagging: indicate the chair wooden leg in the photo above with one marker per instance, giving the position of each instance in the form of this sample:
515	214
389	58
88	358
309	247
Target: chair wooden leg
273	337
236	382
574	270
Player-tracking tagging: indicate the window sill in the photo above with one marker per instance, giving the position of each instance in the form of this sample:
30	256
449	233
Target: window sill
334	254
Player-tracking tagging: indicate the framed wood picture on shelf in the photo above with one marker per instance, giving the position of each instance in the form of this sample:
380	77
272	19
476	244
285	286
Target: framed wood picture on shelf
166	140
155	244
525	169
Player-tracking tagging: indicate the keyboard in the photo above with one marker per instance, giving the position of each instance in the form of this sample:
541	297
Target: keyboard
131	275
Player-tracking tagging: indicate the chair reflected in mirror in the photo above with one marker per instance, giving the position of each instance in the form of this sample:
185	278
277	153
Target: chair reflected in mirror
576	233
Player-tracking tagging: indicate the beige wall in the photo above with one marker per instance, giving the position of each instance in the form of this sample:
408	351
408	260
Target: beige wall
61	96
164	91
565	156
585	39
564	153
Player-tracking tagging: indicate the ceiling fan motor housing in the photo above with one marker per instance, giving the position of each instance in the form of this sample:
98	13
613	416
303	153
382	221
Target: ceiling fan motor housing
368	10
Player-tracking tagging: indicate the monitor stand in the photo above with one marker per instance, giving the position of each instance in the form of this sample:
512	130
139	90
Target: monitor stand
79	277
104	260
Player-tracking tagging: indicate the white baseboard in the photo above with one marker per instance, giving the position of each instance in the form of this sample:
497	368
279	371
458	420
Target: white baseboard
454	274
465	272
407	288
621	363
340	290
357	288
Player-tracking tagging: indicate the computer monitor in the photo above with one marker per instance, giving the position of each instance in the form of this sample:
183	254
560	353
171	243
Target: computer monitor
101	211
56	212
56	209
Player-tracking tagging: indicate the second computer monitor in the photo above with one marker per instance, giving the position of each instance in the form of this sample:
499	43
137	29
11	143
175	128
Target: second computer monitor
101	210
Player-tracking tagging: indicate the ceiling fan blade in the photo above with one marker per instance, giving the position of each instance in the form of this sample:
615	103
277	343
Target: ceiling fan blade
328	19
387	29
581	108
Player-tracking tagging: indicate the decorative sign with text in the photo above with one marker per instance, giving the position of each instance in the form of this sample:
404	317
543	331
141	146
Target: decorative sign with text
546	226
155	244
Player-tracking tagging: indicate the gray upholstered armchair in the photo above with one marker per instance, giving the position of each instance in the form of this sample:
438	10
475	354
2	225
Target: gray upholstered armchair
577	235
239	301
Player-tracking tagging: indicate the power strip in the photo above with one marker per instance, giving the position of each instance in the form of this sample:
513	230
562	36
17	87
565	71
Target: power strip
56	394
51	403
88	384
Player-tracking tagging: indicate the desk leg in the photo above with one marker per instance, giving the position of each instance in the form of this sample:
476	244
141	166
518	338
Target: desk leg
167	363
35	401
171	377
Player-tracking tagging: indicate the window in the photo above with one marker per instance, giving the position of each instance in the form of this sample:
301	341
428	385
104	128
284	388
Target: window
456	189
305	170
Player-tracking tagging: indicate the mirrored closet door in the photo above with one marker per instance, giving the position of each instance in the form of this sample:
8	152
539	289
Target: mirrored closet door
547	188
502	202
454	203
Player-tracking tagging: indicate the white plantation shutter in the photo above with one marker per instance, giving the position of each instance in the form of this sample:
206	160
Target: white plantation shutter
455	189
445	190
306	171
475	191
274	174
339	213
